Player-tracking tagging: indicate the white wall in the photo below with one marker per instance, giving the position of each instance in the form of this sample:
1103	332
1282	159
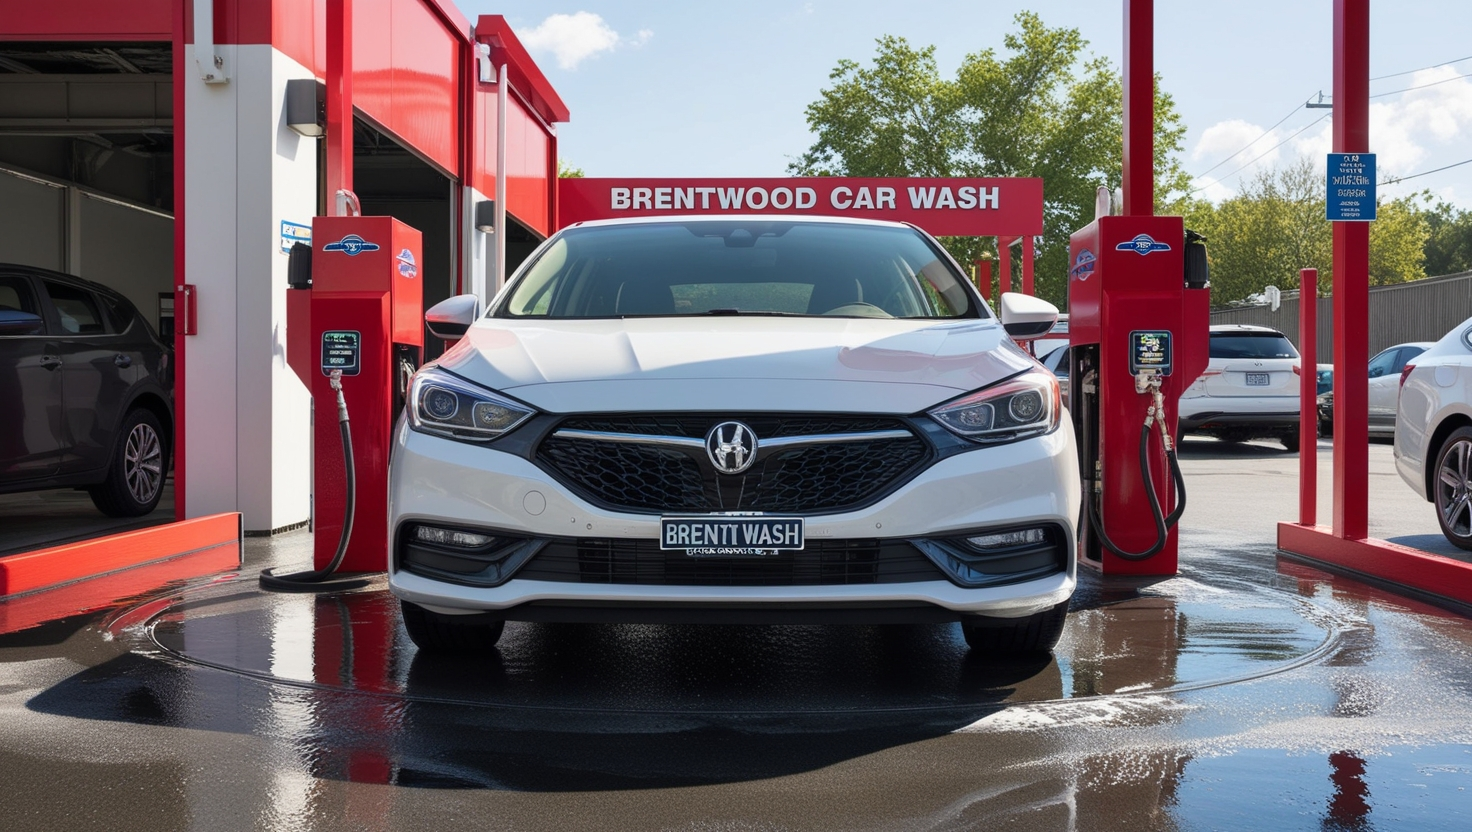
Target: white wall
248	440
32	222
478	251
125	248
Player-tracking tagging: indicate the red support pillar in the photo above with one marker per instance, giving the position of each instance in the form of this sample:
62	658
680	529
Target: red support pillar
1028	255
1004	265
1351	280
1139	108
984	279
1308	415
339	173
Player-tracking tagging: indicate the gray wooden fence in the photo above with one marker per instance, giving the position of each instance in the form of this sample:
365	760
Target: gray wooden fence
1423	310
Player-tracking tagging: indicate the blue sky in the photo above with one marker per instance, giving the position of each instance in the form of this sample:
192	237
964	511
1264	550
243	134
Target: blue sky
710	89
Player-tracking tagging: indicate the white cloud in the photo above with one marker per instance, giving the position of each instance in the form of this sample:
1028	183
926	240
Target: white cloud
1410	132
573	38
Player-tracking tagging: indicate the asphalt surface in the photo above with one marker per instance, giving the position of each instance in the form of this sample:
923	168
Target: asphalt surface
1246	693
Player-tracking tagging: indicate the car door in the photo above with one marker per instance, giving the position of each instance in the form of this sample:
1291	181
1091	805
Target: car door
1384	384
93	384
31	432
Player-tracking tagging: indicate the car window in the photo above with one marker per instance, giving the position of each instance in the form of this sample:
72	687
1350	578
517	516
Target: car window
1251	345
1381	364
1057	361
702	267
119	313
16	295
77	309
1404	357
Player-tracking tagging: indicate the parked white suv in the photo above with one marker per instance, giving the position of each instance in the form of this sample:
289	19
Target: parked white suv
1433	430
1250	388
771	419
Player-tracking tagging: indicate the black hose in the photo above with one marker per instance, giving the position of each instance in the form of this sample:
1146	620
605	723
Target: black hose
1162	523
316	580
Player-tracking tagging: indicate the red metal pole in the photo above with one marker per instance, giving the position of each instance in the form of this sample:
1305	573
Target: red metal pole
339	173
1139	108
1027	259
1004	265
1351	280
1308	416
984	279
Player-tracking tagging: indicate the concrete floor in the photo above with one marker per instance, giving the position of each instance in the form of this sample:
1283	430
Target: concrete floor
1246	693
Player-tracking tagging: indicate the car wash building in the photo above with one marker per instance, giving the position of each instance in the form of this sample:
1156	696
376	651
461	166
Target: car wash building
171	150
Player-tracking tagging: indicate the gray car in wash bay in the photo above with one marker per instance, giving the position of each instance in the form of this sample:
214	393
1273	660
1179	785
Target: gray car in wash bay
86	392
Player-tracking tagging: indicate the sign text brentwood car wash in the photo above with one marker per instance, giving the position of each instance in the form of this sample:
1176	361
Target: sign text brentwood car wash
944	207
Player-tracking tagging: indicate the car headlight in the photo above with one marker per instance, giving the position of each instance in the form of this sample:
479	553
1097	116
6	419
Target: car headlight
447	405
1022	406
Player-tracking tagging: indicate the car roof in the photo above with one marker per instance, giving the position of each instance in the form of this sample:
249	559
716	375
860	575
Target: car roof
1243	328
809	219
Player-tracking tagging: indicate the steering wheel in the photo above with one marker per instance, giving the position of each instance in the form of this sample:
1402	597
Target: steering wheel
859	309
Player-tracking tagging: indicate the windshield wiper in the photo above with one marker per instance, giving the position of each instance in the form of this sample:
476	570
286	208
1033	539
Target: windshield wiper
724	312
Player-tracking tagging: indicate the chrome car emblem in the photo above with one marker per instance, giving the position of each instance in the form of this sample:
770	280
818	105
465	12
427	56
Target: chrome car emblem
731	447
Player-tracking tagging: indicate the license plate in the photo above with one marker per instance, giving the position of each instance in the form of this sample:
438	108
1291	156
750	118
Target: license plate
1257	379
725	536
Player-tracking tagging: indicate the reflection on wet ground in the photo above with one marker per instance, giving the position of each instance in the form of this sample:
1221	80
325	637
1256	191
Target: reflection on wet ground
1243	694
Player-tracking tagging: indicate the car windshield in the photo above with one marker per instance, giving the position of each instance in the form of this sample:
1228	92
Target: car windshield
1251	345
740	267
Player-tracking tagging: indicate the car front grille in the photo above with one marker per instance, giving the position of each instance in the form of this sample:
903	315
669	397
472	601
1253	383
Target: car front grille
835	475
821	563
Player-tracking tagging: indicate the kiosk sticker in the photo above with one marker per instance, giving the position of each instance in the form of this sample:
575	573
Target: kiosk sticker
293	233
407	266
341	350
1083	265
351	245
1142	244
1150	350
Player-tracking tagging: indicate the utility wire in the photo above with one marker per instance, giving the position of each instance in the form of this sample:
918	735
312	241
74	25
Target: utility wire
1398	179
1297	107
1433	66
1261	136
1422	86
1264	153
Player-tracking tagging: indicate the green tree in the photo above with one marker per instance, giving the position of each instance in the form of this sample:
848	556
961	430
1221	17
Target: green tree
1449	238
566	171
1042	109
1275	226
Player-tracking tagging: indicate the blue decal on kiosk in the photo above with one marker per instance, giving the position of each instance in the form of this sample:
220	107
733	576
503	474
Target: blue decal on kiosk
1083	265
351	245
407	266
1142	244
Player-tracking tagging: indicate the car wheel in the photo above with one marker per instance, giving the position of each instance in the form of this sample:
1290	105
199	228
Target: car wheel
1290	442
444	635
1326	427
1009	637
135	474
1452	496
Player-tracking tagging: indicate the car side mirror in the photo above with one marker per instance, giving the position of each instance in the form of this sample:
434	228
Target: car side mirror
451	318
1026	317
16	322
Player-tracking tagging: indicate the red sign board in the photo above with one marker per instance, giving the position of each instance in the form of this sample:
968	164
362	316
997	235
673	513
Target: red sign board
947	207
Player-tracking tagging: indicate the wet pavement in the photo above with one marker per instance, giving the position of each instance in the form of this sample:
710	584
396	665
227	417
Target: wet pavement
1246	693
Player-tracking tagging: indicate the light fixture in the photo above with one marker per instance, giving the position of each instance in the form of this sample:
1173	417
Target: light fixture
305	108
485	216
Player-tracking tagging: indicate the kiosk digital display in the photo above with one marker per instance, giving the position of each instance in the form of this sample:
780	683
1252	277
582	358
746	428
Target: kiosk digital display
341	350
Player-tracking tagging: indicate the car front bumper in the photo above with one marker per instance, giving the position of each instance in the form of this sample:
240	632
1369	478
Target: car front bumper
441	481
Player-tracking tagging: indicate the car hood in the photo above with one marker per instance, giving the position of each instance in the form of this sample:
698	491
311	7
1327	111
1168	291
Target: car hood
748	362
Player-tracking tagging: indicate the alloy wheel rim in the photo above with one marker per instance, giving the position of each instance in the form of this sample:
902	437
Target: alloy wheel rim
1452	492
143	463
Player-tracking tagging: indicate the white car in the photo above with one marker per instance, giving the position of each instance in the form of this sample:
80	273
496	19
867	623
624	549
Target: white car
1433	430
767	419
1250	388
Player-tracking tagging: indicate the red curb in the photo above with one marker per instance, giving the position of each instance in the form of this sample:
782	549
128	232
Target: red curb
1382	560
30	571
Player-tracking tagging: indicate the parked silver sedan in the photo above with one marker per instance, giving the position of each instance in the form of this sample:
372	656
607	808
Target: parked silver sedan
1433	431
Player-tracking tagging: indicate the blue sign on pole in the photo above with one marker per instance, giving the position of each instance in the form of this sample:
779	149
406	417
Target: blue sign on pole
1351	187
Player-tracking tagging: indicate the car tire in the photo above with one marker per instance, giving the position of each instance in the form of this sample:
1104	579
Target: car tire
1452	491
136	469
443	635
1016	637
1326	427
1290	442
